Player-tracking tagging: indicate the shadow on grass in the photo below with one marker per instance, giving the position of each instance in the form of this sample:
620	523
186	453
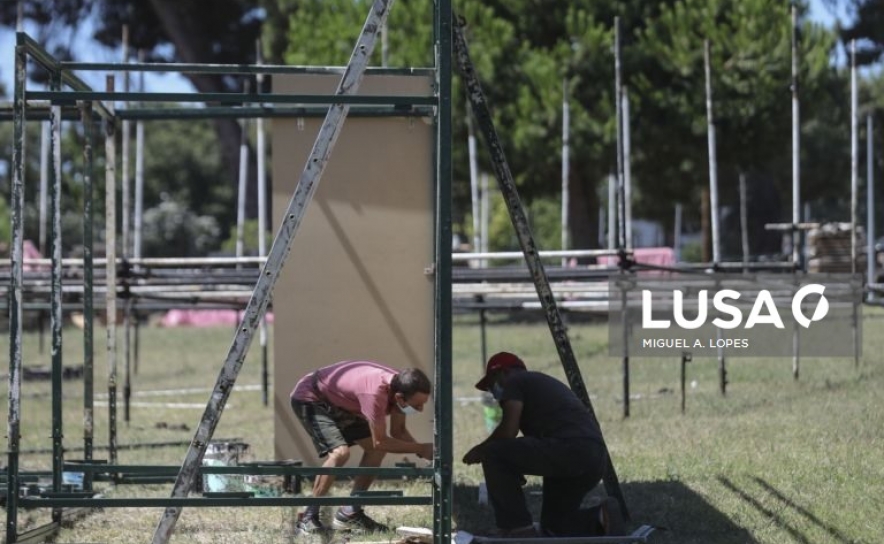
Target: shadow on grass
681	515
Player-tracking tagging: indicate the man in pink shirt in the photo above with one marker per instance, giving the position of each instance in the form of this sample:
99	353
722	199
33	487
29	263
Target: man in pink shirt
348	403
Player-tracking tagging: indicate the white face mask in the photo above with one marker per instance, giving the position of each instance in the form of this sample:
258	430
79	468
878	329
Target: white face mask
407	409
496	391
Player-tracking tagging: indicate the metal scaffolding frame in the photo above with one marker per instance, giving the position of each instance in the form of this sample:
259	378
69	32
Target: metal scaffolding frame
68	89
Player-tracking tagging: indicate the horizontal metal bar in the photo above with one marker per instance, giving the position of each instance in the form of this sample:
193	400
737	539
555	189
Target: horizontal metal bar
193	68
253	470
234	98
570	253
212	502
268	112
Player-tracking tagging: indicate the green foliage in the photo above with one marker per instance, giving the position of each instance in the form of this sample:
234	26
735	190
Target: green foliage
172	230
5	226
250	239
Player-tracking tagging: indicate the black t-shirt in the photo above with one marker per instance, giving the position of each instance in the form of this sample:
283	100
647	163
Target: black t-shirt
549	407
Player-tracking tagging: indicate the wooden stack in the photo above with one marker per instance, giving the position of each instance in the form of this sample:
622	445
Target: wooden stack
829	249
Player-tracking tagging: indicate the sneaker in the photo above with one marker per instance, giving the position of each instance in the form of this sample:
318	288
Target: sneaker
357	521
308	525
612	518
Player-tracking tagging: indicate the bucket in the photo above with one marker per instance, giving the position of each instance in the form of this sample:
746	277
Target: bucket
223	454
491	411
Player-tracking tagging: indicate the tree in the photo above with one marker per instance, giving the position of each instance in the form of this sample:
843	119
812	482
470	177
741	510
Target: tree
223	31
523	50
867	28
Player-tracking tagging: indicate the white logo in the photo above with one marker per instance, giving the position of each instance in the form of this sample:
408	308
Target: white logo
764	310
822	307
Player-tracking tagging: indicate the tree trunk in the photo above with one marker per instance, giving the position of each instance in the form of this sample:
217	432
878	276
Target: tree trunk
583	216
181	22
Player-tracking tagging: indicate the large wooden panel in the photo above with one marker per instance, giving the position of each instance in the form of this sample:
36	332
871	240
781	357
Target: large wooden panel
355	284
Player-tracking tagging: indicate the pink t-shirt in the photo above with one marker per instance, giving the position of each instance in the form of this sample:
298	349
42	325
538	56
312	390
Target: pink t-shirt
360	387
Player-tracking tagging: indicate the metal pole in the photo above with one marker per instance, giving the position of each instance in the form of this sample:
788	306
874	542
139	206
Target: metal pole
871	256
110	211
243	179
88	293
443	430
744	222
125	140
676	237
139	175
566	165
624	323
474	179
854	155
125	230
44	182
796	146
612	211
257	305
527	243
260	142
486	216
56	320
13	415
139	200
618	92
713	164
627	171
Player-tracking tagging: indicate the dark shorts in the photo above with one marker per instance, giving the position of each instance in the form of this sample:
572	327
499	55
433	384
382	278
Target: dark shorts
330	427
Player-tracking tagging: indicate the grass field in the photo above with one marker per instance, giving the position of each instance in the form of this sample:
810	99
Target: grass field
775	461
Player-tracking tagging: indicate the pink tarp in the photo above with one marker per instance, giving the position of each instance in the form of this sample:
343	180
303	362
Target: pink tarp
656	256
205	318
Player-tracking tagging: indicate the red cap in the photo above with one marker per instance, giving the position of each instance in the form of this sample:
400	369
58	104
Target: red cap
497	362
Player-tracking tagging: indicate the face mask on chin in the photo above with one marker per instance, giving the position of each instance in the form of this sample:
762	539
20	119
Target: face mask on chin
407	409
496	391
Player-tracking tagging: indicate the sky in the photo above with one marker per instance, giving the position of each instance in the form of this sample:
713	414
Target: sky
87	51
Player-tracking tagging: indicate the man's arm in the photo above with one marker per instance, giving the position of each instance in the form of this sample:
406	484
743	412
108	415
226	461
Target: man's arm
507	428
398	428
384	442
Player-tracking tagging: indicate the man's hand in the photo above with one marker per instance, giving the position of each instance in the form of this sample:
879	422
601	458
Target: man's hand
426	451
475	455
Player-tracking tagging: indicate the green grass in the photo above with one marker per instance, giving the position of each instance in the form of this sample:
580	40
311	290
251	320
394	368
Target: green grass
775	461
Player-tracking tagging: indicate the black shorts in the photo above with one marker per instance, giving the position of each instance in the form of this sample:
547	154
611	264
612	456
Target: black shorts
329	426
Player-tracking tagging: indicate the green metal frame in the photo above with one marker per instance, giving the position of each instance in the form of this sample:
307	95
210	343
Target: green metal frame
69	94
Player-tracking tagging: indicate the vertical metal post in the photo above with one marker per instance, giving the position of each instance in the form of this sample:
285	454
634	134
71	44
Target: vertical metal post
88	294
17	198
612	211
627	171
44	182
624	323
618	92
676	236
56	319
243	180
854	155
685	359
257	305
110	211
260	143
871	256
139	175
443	428
486	216
796	147
566	165
138	212
474	178
527	243
124	165
713	163
124	237
744	223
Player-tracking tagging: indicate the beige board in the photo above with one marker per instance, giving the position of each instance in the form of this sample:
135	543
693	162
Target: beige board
355	285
